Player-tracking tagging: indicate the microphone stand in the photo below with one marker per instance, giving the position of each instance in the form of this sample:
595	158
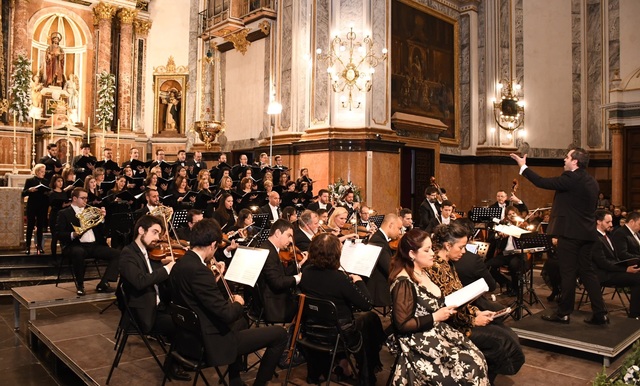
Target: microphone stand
254	236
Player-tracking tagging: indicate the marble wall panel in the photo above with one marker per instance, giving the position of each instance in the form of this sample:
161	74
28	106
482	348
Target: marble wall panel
192	86
380	92
266	84
465	81
320	81
518	54
504	41
286	46
614	38
594	73
12	226
576	48
482	63
303	50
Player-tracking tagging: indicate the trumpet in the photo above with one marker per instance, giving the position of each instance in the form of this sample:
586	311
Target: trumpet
89	218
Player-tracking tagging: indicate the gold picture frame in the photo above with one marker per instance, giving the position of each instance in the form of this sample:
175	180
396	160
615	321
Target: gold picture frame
169	112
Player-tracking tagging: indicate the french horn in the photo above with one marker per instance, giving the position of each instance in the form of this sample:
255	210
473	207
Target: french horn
164	212
89	218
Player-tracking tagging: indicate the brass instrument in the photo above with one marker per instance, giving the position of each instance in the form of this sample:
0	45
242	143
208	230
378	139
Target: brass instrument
164	212
89	218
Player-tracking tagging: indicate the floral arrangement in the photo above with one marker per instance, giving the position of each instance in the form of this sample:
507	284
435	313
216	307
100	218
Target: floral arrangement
340	187
627	374
20	89
106	99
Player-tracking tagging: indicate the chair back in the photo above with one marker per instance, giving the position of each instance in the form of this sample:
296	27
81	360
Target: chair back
185	319
320	320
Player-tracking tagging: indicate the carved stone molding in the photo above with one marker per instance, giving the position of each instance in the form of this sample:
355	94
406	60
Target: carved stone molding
616	128
104	11
127	15
170	68
265	27
142	27
239	40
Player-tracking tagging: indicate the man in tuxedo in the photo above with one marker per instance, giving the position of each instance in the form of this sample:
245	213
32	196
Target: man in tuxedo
276	281
322	203
606	262
217	172
196	164
273	207
84	163
224	334
193	217
407	220
144	280
90	244
378	283
573	222
51	161
365	220
349	203
139	170
111	168
238	171
430	208
625	238
153	201
501	202
181	160
445	217
306	229
167	171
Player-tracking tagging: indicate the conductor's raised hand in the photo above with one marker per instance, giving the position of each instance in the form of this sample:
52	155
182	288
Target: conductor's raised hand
520	160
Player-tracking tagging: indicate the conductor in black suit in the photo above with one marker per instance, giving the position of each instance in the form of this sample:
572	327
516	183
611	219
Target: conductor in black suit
430	208
276	280
194	286
625	238
378	283
90	244
573	222
605	258
144	282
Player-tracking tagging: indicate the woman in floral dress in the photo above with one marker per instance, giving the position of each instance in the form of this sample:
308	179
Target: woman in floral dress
430	352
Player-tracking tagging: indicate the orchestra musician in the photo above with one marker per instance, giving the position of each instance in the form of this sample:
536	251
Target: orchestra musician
322	203
144	281
349	202
152	196
501	202
90	244
273	207
625	238
445	216
37	207
504	256
58	200
307	228
224	334
430	207
364	214
378	282
224	214
338	225
407	220
193	217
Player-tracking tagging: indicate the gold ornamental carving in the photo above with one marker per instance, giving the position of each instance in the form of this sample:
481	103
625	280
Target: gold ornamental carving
239	40
127	15
104	11
616	128
170	68
142	27
265	27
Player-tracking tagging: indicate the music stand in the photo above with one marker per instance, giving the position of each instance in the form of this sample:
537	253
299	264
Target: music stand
260	220
377	219
179	218
484	214
526	243
261	238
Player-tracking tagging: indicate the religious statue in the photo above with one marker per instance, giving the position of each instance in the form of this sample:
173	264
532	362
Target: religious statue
172	120
36	91
54	59
71	87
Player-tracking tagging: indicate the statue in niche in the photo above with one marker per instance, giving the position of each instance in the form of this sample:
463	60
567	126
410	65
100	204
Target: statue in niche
172	118
54	62
36	91
71	87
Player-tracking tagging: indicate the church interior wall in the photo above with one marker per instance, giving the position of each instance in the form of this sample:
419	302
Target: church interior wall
629	37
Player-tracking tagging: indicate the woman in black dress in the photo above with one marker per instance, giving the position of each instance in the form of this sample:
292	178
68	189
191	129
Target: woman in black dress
58	199
35	188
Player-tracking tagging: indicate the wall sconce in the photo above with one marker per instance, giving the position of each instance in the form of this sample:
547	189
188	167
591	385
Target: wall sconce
351	65
509	112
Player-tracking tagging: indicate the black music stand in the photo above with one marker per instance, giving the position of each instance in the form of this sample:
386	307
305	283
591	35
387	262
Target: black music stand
261	238
527	242
179	218
260	220
377	219
485	214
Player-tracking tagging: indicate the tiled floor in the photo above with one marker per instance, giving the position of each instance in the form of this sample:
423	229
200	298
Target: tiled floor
19	366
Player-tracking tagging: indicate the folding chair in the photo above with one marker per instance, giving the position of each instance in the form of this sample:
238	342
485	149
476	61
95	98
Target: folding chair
70	266
129	326
187	322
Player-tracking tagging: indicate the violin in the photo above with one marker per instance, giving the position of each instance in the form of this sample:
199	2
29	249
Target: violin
164	250
287	255
393	244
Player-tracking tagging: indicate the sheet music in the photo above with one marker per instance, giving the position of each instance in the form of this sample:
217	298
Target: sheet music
467	293
510	230
246	265
359	258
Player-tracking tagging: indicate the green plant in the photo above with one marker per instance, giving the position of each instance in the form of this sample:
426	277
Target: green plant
106	99
340	187
627	374
20	89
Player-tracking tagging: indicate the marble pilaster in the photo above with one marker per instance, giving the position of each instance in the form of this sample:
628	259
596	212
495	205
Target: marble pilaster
613	28
381	86
576	69
19	30
125	67
192	86
285	63
617	162
594	73
464	129
320	81
104	13
141	31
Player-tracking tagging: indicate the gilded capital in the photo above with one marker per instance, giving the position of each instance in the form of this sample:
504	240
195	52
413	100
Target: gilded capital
127	15
104	11
239	40
142	27
616	128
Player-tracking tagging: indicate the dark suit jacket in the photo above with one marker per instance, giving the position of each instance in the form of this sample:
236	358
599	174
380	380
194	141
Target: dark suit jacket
604	259
266	209
470	268
301	240
625	244
50	165
81	172
426	214
138	284
314	206
64	226
378	283
194	286
194	169
275	286
574	204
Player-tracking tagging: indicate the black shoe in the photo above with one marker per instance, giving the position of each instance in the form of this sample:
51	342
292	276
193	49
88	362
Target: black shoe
80	291
104	287
510	293
597	319
179	374
28	251
564	319
40	251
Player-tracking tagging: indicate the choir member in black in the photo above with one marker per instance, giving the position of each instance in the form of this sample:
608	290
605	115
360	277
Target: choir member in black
193	217
181	188
268	188
181	161
85	162
263	161
90	244
138	169
226	184
216	172
69	177
225	215
181	171
116	204
36	188
151	182
58	200
289	195
363	332
237	172
282	183
98	174
244	187
205	201
51	161
110	167
167	172
305	194
196	164
304	177
91	186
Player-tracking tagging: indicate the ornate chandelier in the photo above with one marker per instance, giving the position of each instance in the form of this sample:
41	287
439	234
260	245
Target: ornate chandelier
509	111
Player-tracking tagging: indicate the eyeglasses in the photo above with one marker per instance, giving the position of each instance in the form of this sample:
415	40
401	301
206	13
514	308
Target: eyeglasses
83	198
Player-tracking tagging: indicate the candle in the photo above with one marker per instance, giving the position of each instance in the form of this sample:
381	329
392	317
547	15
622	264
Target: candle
15	135
33	137
118	143
89	130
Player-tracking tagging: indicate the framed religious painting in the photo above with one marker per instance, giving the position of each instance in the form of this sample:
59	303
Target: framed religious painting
425	68
169	94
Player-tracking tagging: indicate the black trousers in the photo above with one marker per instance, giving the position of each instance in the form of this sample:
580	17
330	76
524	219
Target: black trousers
78	252
626	279
274	338
574	257
36	217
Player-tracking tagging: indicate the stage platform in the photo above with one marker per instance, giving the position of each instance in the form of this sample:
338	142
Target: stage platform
606	340
48	296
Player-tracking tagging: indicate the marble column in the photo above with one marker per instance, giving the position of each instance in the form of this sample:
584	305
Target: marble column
141	29
125	67
20	36
617	159
104	13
